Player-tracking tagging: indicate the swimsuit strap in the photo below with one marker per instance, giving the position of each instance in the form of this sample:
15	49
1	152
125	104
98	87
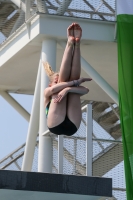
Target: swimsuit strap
47	108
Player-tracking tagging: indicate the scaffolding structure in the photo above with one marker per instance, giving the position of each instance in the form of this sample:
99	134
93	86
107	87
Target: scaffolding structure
102	157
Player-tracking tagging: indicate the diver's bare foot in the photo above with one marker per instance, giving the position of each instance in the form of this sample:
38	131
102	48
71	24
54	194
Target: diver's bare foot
70	34
77	32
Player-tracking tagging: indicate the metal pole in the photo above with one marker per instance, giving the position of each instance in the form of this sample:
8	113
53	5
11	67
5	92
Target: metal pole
75	155
33	127
89	146
60	154
97	78
45	142
15	105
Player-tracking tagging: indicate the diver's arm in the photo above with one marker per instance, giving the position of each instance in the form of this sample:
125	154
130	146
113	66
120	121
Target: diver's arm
77	90
60	86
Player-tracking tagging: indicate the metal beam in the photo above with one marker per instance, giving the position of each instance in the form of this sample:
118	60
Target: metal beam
11	154
13	160
20	4
108	6
63	7
41	5
89	144
28	6
114	110
6	23
15	105
99	80
84	11
92	7
18	22
33	126
48	54
60	154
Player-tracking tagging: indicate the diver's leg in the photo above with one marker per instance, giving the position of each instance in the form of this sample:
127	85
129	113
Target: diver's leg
76	65
73	103
57	117
66	63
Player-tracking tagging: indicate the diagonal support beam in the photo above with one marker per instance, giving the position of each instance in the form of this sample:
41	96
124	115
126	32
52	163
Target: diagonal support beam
23	6
63	7
20	4
96	77
108	6
99	80
33	126
41	5
19	22
15	105
93	9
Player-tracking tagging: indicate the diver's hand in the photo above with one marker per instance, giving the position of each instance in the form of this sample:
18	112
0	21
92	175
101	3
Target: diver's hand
60	95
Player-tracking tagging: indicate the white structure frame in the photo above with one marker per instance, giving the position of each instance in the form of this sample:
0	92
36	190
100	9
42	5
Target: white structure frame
33	31
27	33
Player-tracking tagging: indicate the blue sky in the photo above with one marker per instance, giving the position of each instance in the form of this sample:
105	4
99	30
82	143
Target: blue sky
13	127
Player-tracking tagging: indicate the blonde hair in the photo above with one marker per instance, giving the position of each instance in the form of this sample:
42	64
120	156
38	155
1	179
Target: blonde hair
49	71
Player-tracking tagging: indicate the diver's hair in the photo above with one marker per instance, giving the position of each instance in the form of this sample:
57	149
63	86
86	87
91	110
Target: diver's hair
48	69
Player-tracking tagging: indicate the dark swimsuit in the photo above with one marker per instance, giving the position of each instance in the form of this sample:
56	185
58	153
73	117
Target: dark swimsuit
65	128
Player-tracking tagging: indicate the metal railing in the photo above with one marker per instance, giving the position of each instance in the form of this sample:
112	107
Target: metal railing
107	158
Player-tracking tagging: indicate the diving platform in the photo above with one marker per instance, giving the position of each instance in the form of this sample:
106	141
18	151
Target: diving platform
16	185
